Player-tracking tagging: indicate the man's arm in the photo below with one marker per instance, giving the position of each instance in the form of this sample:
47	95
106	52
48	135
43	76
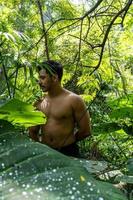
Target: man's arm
82	119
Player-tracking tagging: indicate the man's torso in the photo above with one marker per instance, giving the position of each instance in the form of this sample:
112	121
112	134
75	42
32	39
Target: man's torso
59	128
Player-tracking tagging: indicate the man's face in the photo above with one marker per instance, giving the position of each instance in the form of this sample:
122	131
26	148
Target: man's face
45	81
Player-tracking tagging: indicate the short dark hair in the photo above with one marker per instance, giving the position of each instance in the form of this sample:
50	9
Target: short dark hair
51	67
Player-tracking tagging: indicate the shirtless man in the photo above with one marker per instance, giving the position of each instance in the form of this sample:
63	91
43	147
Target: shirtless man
64	111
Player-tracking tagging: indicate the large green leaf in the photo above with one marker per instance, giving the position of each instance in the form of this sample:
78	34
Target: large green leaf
21	113
32	170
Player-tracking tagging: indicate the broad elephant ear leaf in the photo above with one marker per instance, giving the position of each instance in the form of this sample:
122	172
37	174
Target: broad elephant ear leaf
21	113
32	170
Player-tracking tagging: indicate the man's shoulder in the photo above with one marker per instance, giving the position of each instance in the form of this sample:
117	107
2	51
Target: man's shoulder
75	98
76	102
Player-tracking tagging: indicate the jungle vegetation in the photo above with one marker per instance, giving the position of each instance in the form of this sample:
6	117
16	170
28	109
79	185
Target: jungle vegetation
93	41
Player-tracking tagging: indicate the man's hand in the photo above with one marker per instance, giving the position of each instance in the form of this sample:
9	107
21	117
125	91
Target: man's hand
33	133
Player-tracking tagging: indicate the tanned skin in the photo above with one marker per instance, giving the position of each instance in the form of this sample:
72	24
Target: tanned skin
64	111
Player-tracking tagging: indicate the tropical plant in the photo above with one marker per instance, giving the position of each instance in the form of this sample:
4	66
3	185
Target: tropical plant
93	41
35	171
21	114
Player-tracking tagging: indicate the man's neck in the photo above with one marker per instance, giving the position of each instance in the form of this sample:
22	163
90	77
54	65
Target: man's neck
55	91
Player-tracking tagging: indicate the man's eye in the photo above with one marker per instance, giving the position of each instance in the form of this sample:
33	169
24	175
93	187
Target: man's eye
42	77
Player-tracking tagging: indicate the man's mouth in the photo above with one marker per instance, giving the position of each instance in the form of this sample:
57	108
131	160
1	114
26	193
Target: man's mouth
41	86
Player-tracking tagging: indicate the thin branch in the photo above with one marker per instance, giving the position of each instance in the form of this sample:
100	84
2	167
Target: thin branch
15	82
11	76
108	7
81	18
92	9
88	29
67	26
76	18
110	59
34	45
6	77
86	42
125	13
72	28
108	31
121	150
63	19
98	23
44	30
123	79
80	41
117	70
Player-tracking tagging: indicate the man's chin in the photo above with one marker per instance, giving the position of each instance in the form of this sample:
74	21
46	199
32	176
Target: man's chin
44	89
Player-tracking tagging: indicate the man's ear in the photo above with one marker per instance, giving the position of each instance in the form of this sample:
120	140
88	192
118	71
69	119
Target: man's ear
55	78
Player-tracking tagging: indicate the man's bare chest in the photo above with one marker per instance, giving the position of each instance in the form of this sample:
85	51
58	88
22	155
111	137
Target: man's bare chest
57	109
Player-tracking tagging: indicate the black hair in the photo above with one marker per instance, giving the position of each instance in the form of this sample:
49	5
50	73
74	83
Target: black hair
51	67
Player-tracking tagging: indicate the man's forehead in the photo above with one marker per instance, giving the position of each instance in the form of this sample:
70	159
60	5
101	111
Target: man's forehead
42	72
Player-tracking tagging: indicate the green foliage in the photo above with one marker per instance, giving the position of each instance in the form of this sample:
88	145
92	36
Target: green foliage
22	41
119	116
122	112
6	126
130	166
125	100
95	59
20	113
106	127
128	177
32	170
